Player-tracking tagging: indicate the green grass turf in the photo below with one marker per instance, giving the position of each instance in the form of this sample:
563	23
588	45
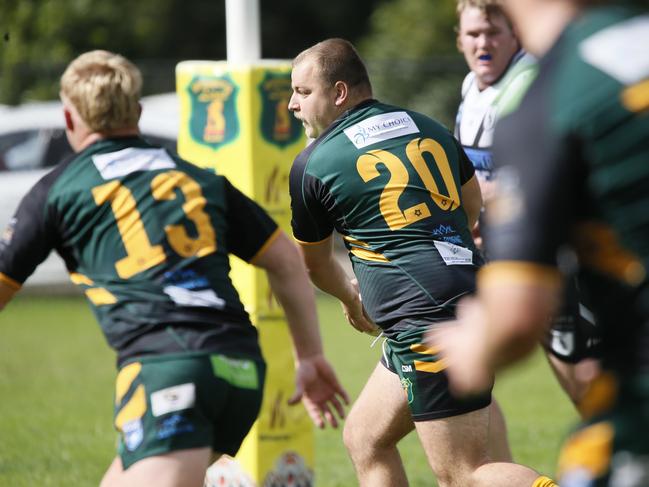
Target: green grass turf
56	382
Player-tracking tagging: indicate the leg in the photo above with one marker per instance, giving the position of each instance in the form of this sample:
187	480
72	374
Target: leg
456	448
498	446
182	468
375	424
574	378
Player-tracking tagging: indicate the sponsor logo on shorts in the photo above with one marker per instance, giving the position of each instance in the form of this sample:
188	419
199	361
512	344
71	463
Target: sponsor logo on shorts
133	434
172	399
381	127
407	387
174	425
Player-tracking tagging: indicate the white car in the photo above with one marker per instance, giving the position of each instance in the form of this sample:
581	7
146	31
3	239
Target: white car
32	141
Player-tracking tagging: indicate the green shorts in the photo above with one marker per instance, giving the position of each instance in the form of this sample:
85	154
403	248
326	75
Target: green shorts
612	447
424	381
191	400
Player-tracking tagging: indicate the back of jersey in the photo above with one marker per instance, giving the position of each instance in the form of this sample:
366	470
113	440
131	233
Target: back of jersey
389	180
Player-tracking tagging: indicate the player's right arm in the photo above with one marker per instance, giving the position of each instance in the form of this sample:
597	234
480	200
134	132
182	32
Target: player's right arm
255	238
326	272
27	240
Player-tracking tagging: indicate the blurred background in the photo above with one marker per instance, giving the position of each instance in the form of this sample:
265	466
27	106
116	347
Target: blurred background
409	45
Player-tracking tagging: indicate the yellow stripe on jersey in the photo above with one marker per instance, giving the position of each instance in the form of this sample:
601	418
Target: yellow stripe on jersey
99	296
267	244
599	248
124	380
589	449
636	98
15	285
362	251
301	242
518	272
77	279
600	396
133	409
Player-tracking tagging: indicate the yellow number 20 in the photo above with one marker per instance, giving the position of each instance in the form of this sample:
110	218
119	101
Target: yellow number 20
366	165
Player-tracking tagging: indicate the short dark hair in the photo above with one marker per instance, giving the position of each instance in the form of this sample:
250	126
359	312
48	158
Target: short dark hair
337	60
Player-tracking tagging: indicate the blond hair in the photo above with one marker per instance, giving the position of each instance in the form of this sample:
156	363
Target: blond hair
489	7
105	89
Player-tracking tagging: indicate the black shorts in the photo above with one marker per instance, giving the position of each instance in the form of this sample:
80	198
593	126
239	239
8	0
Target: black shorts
574	335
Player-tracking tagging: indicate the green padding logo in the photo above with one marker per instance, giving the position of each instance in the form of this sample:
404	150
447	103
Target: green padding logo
238	372
278	125
213	120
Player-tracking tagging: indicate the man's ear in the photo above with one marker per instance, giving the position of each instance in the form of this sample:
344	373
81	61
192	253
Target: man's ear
342	93
69	122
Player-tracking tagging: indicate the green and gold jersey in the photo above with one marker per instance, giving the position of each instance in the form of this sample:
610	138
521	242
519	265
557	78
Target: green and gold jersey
573	171
147	236
389	181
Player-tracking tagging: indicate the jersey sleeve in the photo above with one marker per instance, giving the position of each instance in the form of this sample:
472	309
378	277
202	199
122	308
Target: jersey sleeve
540	173
250	228
310	220
30	236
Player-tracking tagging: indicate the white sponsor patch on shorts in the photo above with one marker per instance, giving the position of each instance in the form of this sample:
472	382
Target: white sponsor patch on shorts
381	127
620	50
126	161
454	254
174	398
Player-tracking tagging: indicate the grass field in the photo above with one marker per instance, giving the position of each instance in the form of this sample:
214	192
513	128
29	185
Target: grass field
56	380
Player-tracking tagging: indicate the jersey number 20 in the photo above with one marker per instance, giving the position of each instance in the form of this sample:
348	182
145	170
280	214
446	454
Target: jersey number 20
389	201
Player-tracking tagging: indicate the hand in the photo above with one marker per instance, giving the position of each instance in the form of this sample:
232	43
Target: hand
462	343
317	386
356	314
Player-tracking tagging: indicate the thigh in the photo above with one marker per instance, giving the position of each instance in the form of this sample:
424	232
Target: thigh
422	374
184	468
380	415
455	444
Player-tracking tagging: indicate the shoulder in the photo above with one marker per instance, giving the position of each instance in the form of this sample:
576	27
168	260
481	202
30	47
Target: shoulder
469	80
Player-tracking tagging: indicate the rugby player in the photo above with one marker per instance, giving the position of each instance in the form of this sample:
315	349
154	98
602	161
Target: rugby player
147	236
400	190
572	177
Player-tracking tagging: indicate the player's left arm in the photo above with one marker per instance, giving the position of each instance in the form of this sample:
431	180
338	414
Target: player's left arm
472	200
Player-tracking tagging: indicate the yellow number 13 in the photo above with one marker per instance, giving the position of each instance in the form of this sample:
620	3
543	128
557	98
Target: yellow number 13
140	253
366	165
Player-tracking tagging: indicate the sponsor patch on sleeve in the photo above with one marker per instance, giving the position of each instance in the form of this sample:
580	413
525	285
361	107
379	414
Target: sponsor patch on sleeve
381	127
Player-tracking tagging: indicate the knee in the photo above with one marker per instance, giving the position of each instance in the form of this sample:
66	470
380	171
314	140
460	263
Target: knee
353	437
360	441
